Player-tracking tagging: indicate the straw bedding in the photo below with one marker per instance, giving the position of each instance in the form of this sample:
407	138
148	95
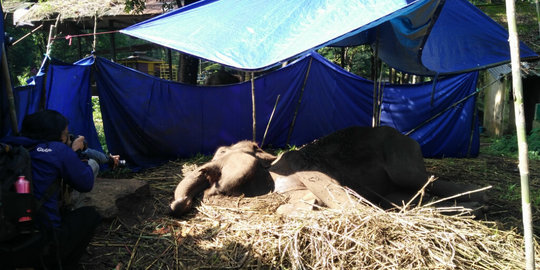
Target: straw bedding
245	233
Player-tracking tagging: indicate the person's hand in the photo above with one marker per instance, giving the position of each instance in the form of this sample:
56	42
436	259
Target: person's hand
116	159
78	143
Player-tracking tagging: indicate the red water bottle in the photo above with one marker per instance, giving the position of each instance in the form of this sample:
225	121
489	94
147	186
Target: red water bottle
22	186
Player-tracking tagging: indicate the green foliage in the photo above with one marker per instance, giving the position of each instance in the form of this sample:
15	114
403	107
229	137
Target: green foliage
512	193
24	76
357	59
98	122
507	146
212	67
280	151
525	15
24	58
136	6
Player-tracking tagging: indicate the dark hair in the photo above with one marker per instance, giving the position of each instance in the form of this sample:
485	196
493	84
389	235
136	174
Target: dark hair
45	125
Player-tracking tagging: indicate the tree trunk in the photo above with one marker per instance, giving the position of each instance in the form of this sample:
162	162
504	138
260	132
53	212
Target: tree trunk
521	135
538	15
188	66
188	69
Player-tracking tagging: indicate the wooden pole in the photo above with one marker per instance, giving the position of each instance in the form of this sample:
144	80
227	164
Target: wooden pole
521	134
253	106
7	85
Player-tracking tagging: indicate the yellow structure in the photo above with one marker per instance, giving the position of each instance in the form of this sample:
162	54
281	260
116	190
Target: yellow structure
148	65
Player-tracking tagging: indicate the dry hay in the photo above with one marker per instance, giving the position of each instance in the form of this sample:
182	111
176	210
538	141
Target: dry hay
71	9
245	237
245	233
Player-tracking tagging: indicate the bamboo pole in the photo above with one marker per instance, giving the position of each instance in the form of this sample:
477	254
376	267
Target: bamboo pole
9	90
299	102
380	92
52	34
270	120
253	106
112	38
374	79
521	134
95	36
25	36
50	40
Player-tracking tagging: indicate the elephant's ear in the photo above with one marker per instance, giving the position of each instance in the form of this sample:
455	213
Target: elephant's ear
211	173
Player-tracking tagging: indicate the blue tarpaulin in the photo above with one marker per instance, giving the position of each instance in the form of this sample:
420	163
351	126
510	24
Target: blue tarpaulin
149	121
69	93
424	37
67	90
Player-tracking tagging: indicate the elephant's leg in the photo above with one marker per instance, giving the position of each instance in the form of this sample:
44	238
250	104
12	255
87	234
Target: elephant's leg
191	186
326	189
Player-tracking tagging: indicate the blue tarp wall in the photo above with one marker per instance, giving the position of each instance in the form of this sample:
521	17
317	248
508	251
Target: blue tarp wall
67	91
149	121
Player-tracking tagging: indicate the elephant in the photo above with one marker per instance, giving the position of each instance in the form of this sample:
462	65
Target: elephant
380	164
221	77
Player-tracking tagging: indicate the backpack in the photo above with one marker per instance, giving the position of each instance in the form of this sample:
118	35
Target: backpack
14	162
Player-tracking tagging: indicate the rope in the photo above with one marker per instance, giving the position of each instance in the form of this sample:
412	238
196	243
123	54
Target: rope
70	37
455	104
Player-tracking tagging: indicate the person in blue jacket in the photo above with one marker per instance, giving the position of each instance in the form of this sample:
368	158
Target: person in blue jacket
45	134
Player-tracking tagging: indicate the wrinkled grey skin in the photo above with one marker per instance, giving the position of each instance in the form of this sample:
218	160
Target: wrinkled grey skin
234	170
221	77
380	164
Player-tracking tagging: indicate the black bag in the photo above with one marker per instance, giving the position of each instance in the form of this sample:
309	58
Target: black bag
14	162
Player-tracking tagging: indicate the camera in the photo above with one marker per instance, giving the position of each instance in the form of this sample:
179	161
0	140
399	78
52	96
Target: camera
110	162
73	138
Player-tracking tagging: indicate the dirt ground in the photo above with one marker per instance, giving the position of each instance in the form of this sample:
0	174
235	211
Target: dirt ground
132	240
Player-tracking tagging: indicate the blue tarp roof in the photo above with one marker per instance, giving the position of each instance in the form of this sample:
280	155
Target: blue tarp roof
424	37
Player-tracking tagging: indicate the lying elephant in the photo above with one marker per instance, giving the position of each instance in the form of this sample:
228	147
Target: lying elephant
380	164
221	77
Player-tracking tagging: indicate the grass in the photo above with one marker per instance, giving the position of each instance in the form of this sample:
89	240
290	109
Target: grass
506	146
526	17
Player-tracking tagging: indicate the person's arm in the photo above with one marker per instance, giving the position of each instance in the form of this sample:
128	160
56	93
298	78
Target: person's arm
96	155
76	173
